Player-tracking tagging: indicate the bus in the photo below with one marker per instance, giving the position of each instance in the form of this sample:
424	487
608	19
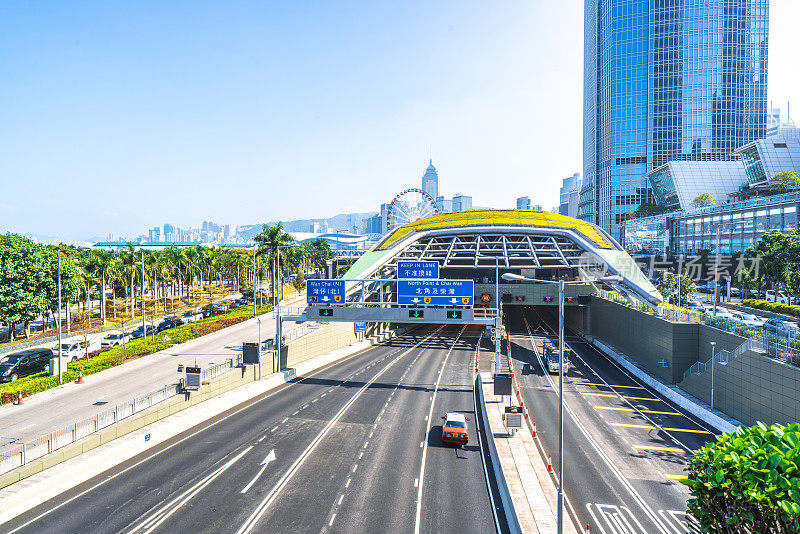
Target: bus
550	356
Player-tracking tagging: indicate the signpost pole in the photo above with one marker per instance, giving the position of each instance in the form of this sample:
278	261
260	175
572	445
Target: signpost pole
60	373
560	406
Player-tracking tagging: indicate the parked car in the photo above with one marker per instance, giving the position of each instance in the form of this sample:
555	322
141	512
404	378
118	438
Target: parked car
24	363
780	296
748	319
455	429
191	316
722	313
139	332
114	339
169	322
779	326
72	350
696	306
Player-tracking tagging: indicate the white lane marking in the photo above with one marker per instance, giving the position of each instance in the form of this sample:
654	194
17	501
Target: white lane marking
421	443
161	515
251	521
284	420
370	434
426	417
264	463
366	443
274	429
424	444
315	400
295	413
347	484
278	389
341	497
416	482
331	521
360	455
596	446
355	467
27	427
323	395
261	438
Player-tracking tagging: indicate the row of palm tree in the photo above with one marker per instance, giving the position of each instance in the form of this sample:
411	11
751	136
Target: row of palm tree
174	271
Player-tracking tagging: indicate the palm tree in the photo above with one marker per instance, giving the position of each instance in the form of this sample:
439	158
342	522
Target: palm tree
270	241
100	266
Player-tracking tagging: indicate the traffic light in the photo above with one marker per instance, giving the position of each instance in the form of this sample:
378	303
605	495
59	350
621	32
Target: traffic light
416	314
454	314
326	312
486	297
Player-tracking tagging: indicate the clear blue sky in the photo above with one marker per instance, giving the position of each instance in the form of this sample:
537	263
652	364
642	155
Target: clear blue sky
119	116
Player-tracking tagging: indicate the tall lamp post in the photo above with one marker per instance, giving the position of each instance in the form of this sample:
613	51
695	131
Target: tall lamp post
144	324
716	263
520	278
255	252
278	323
60	371
713	361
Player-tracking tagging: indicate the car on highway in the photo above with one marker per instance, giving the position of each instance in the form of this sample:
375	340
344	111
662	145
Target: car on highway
747	319
550	357
115	338
721	313
696	306
191	316
24	363
169	322
780	297
455	429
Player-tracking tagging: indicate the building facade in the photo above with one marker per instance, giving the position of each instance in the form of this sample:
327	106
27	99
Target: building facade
569	195
462	202
666	81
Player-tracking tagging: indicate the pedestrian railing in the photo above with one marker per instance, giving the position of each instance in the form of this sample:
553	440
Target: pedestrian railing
215	370
724	357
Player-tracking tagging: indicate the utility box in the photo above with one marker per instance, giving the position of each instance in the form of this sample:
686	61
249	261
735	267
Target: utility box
54	363
513	417
193	377
502	384
251	353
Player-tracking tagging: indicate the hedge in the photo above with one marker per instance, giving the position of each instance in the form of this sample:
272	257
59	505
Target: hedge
747	481
132	350
776	307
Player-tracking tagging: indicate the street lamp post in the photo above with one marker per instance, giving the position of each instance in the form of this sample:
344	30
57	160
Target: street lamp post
144	324
713	358
716	264
60	371
278	323
255	251
518	277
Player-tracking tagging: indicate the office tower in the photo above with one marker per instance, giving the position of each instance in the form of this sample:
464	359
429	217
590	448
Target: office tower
570	184
523	203
430	181
462	202
666	81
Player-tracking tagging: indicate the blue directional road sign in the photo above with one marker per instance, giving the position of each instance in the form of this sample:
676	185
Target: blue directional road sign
324	291
418	270
360	326
435	292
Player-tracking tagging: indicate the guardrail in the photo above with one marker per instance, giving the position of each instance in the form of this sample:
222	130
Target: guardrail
38	447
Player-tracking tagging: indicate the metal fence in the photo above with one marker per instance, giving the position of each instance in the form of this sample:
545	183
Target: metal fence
724	357
38	447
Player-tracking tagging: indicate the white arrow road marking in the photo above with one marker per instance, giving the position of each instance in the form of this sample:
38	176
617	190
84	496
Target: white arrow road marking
264	463
161	515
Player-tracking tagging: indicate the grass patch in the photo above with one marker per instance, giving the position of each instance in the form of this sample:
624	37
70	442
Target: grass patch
130	351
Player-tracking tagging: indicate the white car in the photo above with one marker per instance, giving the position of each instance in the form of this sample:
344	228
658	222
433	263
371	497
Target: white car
781	297
722	313
114	339
748	319
72	350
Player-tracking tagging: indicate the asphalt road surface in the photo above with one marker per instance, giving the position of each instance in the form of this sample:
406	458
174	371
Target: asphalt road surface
624	445
353	447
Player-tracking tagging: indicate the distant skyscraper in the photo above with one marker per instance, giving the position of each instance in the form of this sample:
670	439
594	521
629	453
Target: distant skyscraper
430	181
524	203
444	205
666	81
569	185
462	202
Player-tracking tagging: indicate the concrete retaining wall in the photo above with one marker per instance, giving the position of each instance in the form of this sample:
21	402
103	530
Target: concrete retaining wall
751	388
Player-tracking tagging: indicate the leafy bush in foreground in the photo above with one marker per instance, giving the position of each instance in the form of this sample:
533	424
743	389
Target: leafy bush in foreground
748	481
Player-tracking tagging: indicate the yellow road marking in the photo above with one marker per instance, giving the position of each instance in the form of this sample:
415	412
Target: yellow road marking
674	477
632	410
603	385
657	448
669	429
623	396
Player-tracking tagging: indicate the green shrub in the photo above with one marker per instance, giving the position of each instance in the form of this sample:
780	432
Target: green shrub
771	306
748	481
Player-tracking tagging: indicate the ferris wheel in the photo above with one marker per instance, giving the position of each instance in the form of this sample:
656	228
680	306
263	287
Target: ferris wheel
408	206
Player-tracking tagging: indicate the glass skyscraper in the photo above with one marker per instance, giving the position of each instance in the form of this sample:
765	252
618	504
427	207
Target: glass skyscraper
666	80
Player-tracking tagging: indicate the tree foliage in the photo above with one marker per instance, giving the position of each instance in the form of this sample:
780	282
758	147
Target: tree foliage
667	285
784	181
703	199
748	481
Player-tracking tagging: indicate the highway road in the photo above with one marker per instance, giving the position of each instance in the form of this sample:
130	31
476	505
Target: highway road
353	447
625	446
36	417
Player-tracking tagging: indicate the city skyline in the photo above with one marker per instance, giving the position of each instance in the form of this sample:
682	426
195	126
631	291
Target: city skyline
130	133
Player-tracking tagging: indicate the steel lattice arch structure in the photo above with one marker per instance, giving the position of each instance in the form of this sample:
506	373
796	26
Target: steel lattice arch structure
522	240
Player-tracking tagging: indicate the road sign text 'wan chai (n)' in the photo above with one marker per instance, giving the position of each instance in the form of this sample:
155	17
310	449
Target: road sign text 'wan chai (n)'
325	291
435	292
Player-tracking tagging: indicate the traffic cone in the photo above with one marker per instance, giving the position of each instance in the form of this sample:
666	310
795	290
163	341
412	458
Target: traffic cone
549	464
80	377
19	398
587	528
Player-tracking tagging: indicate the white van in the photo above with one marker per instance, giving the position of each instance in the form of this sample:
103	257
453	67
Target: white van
782	297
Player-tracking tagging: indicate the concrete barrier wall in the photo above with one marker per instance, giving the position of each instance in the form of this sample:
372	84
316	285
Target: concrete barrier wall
751	388
648	339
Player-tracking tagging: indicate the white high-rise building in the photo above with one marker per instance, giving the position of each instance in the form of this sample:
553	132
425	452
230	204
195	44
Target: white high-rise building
430	181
